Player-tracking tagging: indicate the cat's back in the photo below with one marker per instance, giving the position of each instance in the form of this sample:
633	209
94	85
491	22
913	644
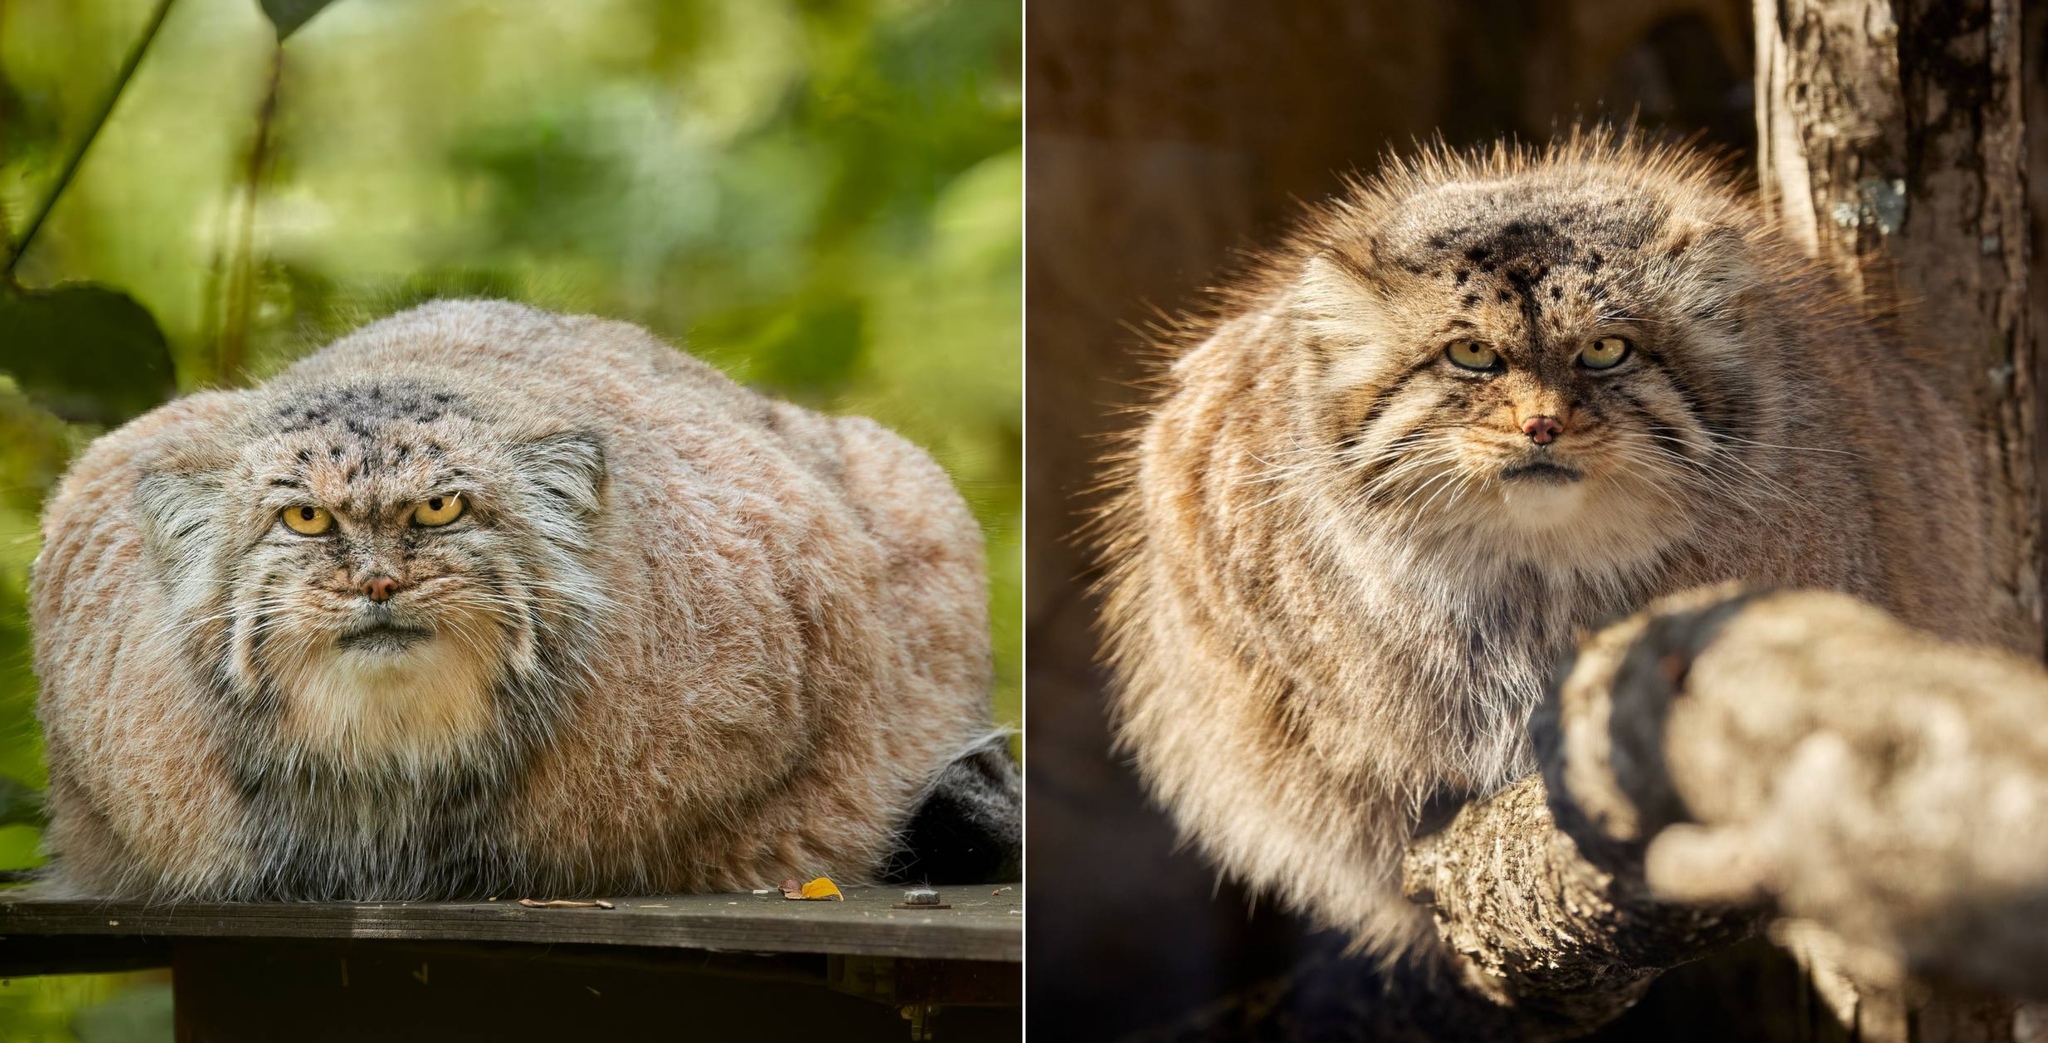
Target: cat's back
1871	431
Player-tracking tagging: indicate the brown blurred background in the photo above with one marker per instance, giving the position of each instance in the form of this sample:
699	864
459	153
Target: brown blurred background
1162	137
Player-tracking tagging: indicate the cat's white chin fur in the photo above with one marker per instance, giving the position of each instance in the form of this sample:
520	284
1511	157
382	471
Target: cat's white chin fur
1591	526
422	700
1538	504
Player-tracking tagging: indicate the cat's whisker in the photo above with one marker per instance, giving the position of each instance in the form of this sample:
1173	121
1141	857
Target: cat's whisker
1737	440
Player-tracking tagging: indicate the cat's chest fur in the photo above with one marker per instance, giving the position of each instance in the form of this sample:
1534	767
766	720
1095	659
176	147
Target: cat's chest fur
348	819
319	833
1457	650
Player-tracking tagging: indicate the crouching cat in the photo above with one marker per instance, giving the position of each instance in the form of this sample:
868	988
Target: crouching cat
486	600
1474	406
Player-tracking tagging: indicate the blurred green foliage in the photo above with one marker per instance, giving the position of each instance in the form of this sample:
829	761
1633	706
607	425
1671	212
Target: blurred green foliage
822	197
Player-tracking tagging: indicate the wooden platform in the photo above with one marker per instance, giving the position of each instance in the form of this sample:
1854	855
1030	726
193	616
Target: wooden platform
744	966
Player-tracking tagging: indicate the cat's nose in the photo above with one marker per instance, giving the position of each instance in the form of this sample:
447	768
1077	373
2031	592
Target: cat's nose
380	588
1542	430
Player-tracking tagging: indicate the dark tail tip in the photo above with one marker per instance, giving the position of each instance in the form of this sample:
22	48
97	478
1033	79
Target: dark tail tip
970	827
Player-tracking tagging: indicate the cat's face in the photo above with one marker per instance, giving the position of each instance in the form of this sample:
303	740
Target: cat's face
1560	368
391	559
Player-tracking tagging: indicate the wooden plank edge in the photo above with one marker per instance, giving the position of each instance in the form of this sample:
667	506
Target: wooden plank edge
931	937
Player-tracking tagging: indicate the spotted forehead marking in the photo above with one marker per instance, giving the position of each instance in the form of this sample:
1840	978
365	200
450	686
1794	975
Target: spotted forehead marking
353	438
1528	247
364	407
1520	235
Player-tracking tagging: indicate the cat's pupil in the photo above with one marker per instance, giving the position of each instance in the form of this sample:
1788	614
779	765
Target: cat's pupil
434	504
306	514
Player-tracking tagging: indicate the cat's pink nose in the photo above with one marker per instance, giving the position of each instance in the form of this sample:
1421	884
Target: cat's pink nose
1542	430
380	588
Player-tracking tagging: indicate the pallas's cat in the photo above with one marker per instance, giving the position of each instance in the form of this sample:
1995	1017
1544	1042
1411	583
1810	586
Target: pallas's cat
1472	407
486	600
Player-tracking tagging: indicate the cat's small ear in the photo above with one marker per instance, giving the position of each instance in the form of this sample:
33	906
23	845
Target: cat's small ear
1710	269
1332	284
1710	251
568	468
1336	302
180	515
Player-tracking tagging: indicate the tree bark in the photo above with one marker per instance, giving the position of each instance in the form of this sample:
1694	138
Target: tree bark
1568	944
1891	145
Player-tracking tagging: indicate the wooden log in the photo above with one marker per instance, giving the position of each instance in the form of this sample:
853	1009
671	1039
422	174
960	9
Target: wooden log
1879	795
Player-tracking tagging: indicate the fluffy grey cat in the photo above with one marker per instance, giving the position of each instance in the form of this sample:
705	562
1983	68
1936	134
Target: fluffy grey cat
486	600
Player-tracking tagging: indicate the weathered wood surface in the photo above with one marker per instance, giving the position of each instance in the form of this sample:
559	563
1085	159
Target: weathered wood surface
985	922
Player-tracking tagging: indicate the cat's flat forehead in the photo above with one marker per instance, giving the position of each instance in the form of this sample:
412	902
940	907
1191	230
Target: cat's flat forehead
369	443
364	406
1495	224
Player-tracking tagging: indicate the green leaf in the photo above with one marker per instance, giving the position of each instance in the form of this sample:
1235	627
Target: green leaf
34	447
87	353
288	15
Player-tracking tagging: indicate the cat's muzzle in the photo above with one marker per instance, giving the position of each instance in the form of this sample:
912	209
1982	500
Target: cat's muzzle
1541	467
379	630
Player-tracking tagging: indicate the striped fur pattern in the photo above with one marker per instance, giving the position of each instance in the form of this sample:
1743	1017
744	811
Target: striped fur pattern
683	637
1338	569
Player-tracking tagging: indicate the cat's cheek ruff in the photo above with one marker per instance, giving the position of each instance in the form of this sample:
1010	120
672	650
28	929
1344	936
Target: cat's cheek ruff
1400	442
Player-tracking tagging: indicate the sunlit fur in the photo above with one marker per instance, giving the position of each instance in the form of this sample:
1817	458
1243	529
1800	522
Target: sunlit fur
679	637
1335	585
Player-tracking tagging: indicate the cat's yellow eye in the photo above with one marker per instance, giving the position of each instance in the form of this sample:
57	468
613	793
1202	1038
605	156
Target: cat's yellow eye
436	511
1471	354
307	520
1605	353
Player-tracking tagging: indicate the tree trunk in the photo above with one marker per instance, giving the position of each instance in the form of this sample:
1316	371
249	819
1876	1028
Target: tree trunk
1891	143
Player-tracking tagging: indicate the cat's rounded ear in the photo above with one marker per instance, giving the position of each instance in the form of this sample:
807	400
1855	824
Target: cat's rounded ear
183	534
567	469
1713	258
180	514
1334	286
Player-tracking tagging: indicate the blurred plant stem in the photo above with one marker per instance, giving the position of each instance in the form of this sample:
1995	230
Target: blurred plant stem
231	346
71	163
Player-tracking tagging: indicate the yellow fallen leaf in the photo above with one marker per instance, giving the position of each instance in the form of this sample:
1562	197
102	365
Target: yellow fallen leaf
821	889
